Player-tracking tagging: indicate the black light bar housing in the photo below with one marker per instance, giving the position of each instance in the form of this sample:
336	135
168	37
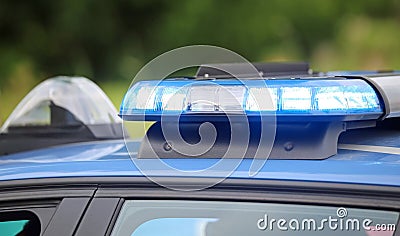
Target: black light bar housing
264	69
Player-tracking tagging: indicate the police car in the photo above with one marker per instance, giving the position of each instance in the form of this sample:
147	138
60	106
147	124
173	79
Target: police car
283	152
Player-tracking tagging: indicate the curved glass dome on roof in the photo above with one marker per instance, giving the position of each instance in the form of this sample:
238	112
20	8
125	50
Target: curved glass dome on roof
80	98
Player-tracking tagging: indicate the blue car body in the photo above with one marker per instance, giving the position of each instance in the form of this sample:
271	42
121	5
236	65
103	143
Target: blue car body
111	159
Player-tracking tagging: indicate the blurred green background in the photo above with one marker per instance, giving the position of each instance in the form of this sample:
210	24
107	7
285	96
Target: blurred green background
108	41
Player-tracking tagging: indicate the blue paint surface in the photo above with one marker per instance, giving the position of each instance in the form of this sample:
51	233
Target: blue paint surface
110	158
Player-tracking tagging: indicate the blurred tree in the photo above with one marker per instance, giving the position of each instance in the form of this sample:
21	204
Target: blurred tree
100	38
111	40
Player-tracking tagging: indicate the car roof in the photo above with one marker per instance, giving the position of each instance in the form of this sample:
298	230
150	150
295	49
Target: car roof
366	156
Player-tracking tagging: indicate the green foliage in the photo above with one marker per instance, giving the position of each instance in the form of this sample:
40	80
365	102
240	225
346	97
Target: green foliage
109	41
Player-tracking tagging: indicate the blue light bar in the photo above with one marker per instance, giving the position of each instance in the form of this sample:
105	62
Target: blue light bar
322	98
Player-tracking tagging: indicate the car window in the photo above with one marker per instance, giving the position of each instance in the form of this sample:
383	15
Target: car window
19	223
202	218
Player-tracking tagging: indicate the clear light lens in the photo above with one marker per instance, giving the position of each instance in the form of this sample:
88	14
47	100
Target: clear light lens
145	98
173	98
257	99
77	95
296	98
360	100
330	98
231	98
203	98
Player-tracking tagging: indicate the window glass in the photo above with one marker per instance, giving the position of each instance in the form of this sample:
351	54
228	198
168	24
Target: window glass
202	218
22	223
